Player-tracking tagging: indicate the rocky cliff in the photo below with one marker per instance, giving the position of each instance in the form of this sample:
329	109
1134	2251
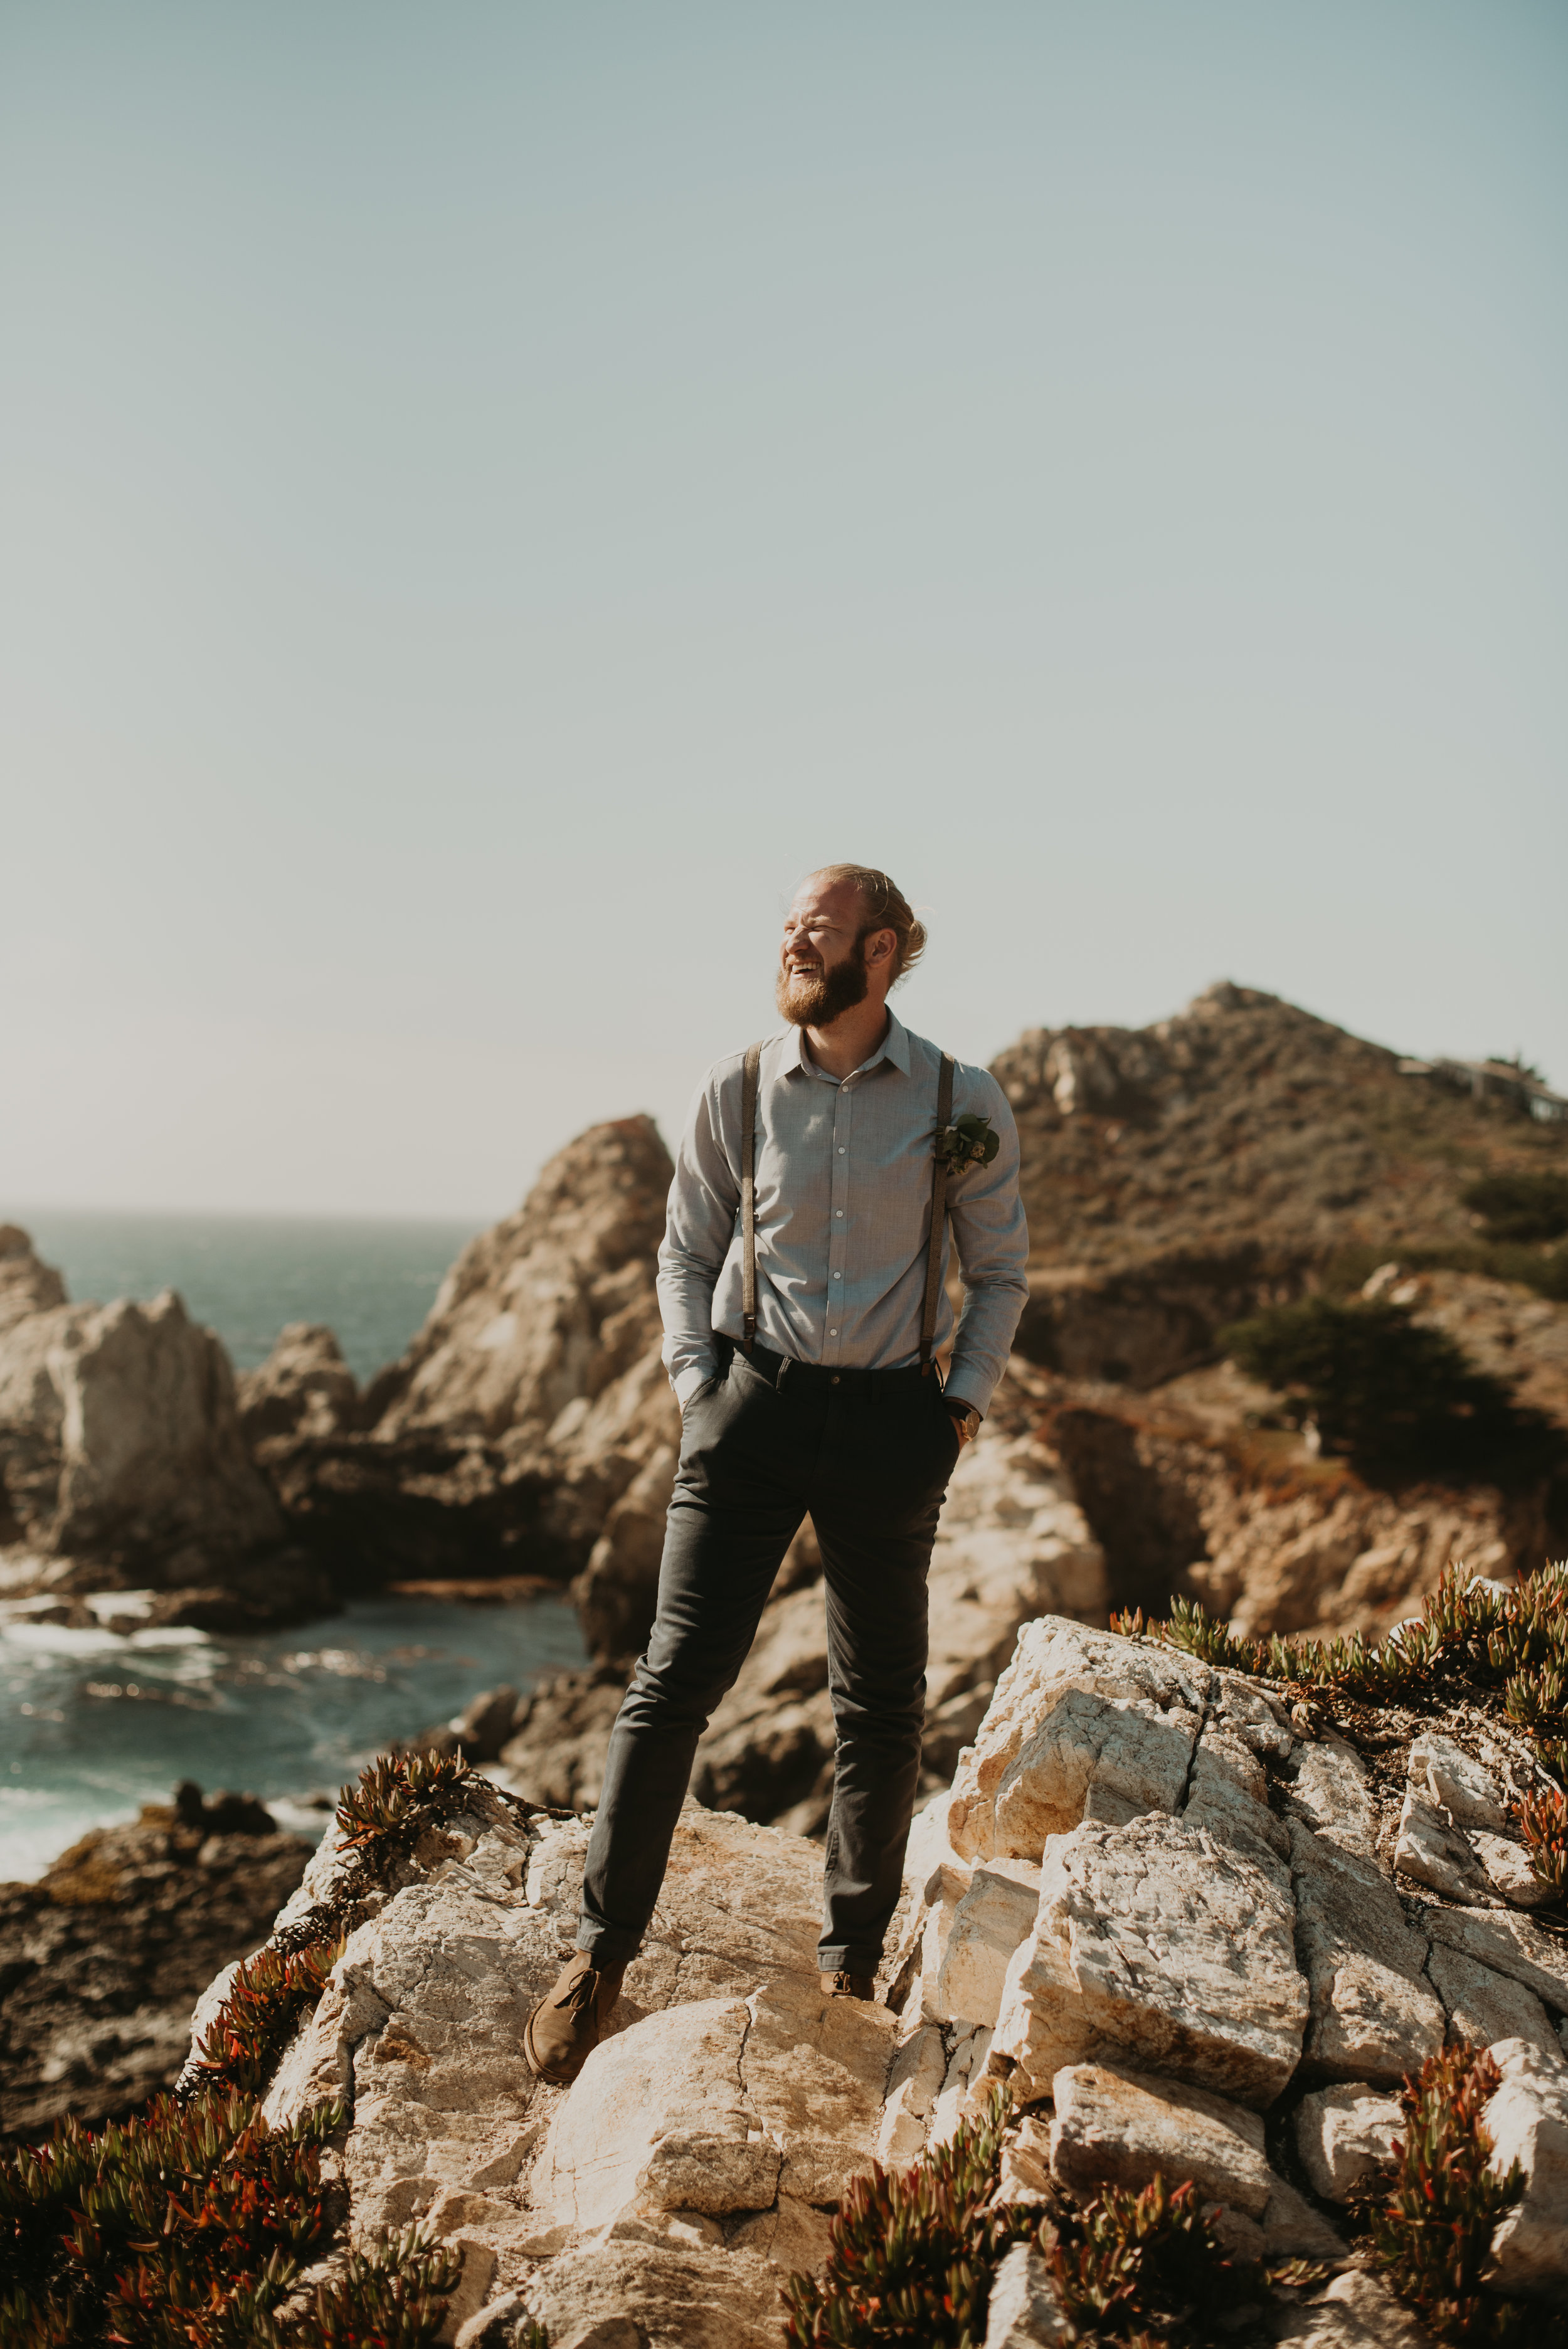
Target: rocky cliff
524	1410
1194	1924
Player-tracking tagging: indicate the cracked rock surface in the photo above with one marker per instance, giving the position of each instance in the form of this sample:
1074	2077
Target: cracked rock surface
1160	1900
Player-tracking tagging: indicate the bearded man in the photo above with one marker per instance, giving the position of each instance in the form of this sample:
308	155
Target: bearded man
801	1286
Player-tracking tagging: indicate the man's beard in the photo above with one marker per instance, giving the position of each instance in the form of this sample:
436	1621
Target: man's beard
814	999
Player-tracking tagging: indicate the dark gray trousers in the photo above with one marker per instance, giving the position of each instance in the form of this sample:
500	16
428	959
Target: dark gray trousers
867	1454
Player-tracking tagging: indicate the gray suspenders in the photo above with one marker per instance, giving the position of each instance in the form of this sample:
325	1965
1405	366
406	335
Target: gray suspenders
749	1078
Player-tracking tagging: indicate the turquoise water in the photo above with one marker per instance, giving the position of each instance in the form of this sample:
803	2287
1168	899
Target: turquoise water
373	1282
96	1724
93	1725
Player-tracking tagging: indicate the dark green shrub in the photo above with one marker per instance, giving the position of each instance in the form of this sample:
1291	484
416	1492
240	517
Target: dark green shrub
1523	1207
1395	1396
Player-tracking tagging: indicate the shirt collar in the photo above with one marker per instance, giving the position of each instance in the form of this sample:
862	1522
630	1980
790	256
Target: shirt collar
893	1047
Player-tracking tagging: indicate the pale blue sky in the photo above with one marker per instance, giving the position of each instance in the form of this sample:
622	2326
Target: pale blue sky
492	493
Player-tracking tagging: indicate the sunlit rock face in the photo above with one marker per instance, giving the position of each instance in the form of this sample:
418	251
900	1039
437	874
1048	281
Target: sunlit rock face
1161	1902
121	1455
524	1410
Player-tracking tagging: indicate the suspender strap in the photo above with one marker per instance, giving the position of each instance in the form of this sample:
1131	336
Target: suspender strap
749	1087
938	1217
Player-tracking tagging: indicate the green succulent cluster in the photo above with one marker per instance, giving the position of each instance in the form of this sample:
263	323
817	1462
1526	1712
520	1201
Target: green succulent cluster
1469	1641
399	1796
267	1997
1431	2229
913	2256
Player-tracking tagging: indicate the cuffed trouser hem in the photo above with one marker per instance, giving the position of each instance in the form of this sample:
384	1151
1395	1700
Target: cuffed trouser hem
849	1962
607	1950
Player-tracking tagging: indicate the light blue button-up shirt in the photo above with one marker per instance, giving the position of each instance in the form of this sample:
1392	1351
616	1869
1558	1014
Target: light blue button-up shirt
843	1217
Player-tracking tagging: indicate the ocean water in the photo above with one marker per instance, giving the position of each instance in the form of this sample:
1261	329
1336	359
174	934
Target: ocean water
373	1282
97	1723
92	1723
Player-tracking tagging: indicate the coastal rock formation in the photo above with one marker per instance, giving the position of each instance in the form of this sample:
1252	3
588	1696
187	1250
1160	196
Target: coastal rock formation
26	1285
525	1408
1161	1899
1190	1495
121	1458
305	1388
101	1959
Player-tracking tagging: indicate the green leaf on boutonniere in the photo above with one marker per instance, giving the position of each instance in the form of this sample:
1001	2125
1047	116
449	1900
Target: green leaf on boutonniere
967	1141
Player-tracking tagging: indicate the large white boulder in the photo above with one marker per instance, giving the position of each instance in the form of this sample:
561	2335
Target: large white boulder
1082	1723
1158	1940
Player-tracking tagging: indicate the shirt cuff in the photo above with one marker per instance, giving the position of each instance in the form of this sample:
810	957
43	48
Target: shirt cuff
968	1383
690	1379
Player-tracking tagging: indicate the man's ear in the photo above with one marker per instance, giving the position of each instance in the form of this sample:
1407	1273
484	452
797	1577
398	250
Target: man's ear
881	946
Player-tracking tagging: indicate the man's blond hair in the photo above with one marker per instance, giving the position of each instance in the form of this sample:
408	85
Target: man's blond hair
885	907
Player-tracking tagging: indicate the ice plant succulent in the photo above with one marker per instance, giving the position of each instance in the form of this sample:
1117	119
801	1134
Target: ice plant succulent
913	2256
399	1794
1433	2230
1471	1640
189	2225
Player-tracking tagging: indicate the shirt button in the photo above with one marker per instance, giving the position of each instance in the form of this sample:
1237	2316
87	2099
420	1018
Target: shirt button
841	1149
839	1211
838	1275
834	1379
833	1333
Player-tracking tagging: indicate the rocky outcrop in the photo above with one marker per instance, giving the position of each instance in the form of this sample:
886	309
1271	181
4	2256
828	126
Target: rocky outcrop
1192	1496
101	1960
1161	1901
121	1458
523	1411
26	1285
303	1389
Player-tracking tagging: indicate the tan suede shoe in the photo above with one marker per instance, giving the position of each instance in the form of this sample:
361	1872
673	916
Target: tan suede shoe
849	1986
563	2029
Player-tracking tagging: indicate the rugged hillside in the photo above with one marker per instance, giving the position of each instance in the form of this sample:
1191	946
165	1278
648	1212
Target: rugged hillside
1179	1174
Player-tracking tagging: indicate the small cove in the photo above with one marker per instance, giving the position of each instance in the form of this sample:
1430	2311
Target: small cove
98	1724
